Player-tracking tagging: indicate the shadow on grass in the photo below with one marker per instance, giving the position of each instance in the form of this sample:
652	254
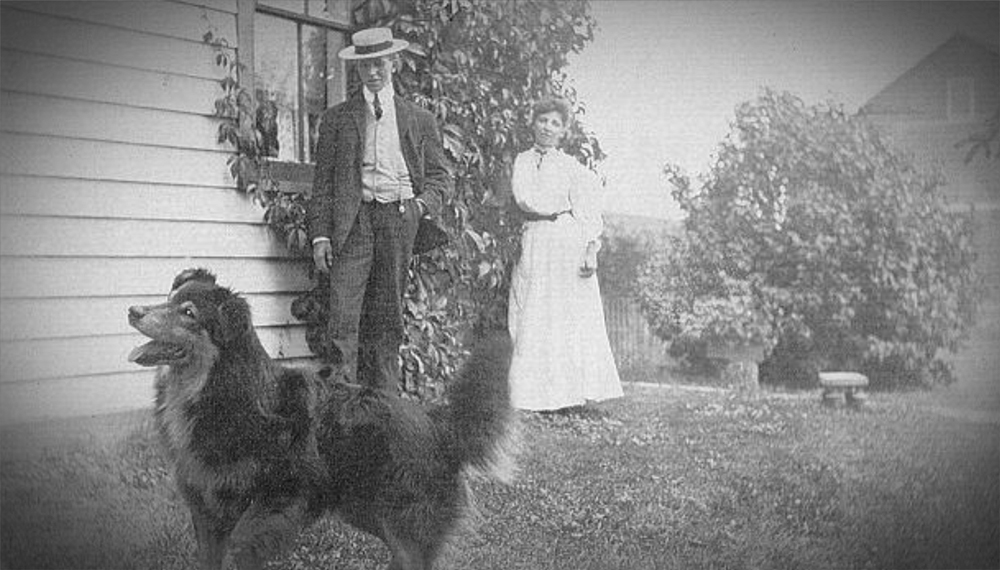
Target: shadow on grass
83	503
664	478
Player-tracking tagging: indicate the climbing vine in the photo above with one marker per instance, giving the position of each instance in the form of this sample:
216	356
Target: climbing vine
236	110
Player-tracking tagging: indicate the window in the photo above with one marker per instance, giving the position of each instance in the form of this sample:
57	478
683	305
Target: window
960	98
297	74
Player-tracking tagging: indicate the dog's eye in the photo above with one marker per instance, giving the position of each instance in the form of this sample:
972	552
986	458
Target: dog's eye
188	312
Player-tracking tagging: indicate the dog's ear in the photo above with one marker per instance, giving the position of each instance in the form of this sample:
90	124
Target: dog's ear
234	320
192	274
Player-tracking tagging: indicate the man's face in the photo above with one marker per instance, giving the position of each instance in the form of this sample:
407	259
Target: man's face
376	73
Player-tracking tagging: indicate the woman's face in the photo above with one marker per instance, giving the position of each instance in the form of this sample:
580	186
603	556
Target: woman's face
549	129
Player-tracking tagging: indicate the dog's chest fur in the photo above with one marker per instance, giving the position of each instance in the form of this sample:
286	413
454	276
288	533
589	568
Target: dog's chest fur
231	438
177	424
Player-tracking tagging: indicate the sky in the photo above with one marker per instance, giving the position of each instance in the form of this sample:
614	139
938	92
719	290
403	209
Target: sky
662	79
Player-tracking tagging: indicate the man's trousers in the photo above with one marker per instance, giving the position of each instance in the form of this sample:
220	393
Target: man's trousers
367	283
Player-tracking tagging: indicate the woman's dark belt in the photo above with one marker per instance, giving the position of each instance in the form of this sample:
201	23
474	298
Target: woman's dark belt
536	217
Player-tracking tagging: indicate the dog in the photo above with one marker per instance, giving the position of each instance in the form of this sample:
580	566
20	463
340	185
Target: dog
260	449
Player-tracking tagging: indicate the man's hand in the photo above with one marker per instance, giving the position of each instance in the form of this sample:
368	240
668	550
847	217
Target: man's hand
323	255
588	266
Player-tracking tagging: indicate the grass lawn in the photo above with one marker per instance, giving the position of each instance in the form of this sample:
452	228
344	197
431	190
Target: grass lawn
668	478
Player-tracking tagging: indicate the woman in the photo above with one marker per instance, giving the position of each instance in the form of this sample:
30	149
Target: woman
562	358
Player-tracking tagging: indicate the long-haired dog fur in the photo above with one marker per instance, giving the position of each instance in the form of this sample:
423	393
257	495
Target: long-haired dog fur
260	449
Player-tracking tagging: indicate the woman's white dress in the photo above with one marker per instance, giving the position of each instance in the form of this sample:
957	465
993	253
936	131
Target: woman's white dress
562	356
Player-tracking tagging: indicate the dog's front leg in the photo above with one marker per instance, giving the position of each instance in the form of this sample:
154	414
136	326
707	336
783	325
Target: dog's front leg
408	553
265	530
211	542
209	531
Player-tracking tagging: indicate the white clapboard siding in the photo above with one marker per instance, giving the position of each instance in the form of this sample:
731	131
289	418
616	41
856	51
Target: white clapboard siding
72	39
83	396
78	237
40	196
80	396
27	319
111	182
41	277
187	21
51	116
98	160
229	6
85	356
46	75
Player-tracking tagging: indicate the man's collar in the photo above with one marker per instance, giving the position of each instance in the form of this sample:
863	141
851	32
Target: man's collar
386	95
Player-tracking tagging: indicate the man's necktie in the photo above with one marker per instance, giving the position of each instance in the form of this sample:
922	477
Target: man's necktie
377	106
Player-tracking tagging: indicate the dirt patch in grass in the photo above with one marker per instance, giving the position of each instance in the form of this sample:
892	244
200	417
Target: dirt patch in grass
665	478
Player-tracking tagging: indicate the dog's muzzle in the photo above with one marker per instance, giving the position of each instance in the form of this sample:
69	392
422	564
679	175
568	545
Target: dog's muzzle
155	352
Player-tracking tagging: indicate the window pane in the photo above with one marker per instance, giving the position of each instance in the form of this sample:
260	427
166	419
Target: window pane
275	60
297	6
322	78
313	80
336	71
297	77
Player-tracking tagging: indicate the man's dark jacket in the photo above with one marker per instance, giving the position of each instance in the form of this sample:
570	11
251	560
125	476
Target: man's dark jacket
336	195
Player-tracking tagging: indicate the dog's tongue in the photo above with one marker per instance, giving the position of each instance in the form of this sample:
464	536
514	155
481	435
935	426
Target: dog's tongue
153	353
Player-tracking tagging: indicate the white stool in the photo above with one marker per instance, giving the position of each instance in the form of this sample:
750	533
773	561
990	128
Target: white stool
837	385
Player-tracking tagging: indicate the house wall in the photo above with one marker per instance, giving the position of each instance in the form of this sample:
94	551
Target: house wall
932	143
111	182
914	112
987	240
973	185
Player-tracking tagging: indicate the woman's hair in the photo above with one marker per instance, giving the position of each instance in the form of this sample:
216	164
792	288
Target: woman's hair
549	104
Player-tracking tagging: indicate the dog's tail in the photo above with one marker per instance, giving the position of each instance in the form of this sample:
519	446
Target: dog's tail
479	419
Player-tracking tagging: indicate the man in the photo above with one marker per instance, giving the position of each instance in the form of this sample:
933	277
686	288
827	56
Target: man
380	168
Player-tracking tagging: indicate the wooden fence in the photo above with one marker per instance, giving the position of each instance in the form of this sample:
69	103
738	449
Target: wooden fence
638	352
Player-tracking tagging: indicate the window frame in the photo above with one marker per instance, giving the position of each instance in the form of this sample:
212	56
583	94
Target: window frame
294	172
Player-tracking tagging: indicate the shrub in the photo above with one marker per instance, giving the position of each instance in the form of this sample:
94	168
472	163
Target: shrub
811	234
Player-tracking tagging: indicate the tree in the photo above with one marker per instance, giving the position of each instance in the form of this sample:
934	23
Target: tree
477	64
813	236
624	250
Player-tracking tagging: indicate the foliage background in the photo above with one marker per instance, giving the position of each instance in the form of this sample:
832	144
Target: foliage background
478	65
812	236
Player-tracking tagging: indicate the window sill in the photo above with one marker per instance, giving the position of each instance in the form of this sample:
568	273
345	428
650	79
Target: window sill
292	177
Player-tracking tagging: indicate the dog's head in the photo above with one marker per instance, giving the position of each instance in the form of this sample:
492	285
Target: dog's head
199	318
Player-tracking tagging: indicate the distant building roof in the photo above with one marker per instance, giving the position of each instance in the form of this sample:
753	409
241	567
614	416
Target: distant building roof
922	89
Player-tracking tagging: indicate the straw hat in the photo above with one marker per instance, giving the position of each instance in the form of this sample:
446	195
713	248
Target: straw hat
373	42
